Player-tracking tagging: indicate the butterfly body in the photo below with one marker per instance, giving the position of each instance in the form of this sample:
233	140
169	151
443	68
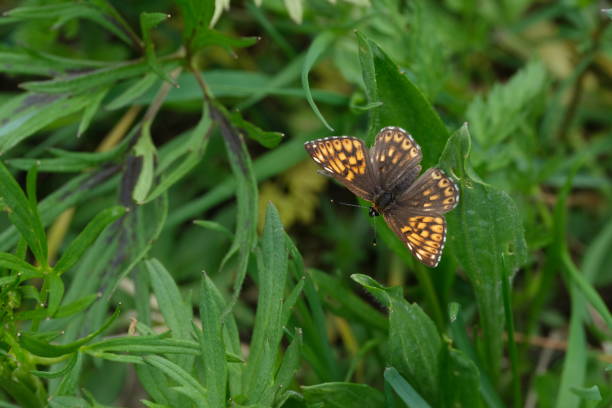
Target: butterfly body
387	175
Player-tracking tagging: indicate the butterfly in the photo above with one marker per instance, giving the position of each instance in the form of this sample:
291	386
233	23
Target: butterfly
387	175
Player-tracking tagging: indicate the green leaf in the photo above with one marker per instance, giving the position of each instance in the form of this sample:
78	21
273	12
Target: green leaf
352	306
90	110
213	226
290	365
177	314
197	15
23	215
191	387
211	345
342	395
194	149
485	233
133	91
295	10
44	349
68	11
459	379
67	161
268	328
59	373
590	394
10	261
83	82
213	37
404	390
76	306
246	196
320	44
403	104
414	347
26	114
148	21
56	292
144	155
86	238
265	138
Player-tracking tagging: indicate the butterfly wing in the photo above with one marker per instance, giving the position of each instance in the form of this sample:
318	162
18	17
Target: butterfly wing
346	159
417	216
424	235
434	193
396	158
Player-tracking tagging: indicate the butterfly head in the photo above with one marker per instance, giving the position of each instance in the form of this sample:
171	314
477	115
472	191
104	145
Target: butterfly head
373	212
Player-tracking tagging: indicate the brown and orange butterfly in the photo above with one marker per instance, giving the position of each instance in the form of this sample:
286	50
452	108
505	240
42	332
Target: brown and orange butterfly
387	175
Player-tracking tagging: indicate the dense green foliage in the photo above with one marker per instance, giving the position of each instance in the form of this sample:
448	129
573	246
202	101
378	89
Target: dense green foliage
166	242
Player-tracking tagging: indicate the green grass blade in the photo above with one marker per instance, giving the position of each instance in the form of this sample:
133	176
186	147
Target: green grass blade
318	47
404	390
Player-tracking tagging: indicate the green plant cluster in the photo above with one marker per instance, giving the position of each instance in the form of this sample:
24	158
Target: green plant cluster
165	240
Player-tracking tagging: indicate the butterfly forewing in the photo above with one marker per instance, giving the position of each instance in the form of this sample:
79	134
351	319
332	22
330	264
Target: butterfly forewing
424	235
432	193
346	159
395	157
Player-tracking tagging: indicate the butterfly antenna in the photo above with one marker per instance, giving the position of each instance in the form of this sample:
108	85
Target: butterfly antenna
348	204
375	241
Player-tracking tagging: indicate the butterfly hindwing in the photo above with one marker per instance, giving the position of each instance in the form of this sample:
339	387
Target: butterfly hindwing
432	193
424	235
346	159
396	157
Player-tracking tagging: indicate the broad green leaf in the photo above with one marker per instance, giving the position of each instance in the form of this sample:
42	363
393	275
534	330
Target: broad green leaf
83	82
268	328
86	238
319	45
342	395
21	393
403	104
265	138
56	292
404	390
90	110
68	11
414	347
26	114
23	215
44	349
211	345
459	379
485	233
